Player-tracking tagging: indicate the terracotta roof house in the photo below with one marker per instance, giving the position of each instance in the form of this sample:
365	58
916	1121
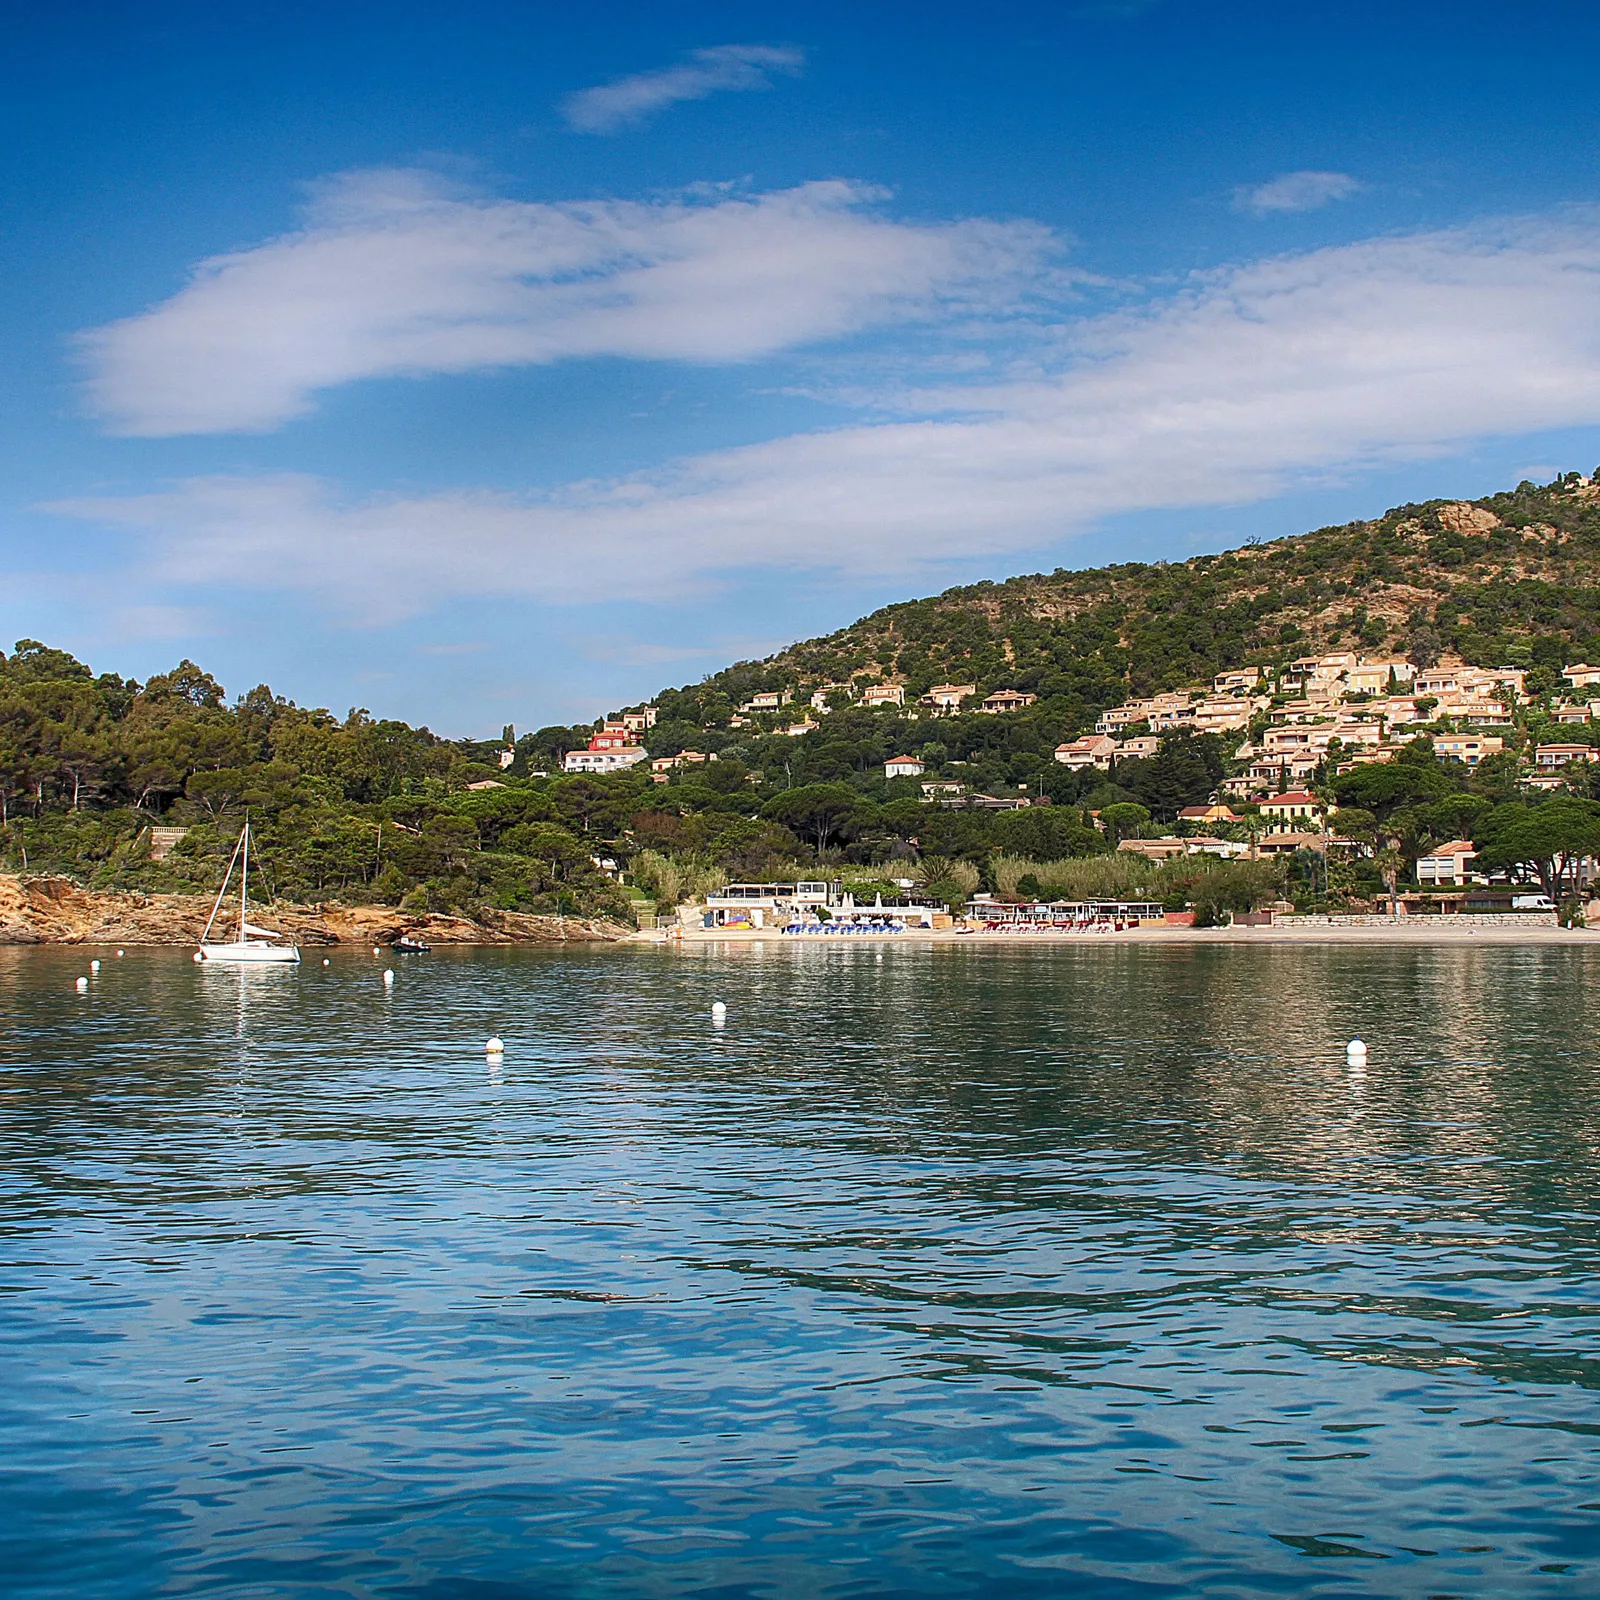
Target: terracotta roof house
1207	814
1447	863
1095	750
1009	700
903	767
1549	756
1468	748
1295	805
947	696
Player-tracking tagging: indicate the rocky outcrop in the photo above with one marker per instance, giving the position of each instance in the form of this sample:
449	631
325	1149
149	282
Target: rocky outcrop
1466	518
58	911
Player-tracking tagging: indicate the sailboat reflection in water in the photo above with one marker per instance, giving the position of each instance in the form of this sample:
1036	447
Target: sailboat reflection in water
254	945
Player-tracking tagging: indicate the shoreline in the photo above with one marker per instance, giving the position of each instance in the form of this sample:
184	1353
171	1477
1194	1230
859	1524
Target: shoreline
1408	932
48	911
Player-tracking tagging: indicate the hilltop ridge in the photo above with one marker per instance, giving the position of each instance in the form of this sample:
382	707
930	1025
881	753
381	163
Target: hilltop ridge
1510	579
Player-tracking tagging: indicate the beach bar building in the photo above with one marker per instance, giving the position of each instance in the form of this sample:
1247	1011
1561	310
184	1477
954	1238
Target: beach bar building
1061	915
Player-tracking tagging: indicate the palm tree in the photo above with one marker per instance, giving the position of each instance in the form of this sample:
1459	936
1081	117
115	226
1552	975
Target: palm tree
1390	864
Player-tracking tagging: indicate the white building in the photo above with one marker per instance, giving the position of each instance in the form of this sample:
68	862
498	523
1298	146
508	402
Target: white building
615	760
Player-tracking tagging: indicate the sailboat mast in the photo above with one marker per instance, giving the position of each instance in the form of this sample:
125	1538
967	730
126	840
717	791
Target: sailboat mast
227	878
244	880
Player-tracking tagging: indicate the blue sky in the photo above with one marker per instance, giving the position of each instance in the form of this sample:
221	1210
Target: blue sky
487	362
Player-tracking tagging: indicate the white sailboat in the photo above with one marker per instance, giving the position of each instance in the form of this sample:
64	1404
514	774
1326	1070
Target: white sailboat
254	945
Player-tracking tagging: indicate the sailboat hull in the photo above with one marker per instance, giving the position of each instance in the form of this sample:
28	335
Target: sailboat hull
244	951
248	952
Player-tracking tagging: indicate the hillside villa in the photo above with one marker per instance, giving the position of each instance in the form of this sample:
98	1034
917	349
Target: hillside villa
1096	750
943	697
1294	806
1008	700
1547	756
1449	863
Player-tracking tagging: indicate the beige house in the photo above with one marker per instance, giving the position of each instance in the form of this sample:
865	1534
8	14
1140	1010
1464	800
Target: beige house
1237	681
684	758
1550	756
884	694
1469	748
947	696
1094	750
1373	677
1582	675
1156	708
1207	814
1138	748
639	721
1480	712
1295	805
1447	863
1225	713
1008	700
767	702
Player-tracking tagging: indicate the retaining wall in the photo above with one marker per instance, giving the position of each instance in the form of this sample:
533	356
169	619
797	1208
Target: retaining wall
1471	919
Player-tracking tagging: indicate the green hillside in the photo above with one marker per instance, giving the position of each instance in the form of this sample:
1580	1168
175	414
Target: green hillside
361	810
1513	579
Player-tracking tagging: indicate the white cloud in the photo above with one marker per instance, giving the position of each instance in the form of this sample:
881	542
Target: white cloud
628	101
392	276
1295	191
1247	382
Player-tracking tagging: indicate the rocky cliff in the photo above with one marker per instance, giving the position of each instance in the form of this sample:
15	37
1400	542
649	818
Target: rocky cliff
57	911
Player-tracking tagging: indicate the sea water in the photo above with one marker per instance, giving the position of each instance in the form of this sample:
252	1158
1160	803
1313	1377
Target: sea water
1089	1270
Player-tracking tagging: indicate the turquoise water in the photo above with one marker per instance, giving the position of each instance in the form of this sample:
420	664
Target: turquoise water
1086	1271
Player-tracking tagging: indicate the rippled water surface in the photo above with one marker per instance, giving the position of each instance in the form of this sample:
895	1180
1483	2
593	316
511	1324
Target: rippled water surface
936	1271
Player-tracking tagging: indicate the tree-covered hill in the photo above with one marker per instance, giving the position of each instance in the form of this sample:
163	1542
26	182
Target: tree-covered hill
1513	579
97	773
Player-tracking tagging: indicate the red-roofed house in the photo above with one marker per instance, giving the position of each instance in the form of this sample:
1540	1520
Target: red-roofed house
1294	806
903	767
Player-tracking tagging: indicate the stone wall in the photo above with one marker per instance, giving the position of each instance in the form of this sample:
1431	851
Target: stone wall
1472	919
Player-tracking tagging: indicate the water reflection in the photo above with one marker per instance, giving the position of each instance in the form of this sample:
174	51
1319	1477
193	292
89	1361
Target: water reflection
938	1270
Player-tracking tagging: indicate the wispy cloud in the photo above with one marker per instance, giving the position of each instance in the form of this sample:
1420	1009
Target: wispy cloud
1247	382
609	107
1295	191
393	275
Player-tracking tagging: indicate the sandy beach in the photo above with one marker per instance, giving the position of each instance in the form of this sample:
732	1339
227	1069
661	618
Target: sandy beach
1404	931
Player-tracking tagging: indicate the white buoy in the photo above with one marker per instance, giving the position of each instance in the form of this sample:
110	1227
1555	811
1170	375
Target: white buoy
326	962
119	952
376	951
83	983
494	1047
94	966
198	956
1356	1050
718	1009
388	977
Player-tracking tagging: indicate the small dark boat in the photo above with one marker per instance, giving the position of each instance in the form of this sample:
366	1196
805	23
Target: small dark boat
407	946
